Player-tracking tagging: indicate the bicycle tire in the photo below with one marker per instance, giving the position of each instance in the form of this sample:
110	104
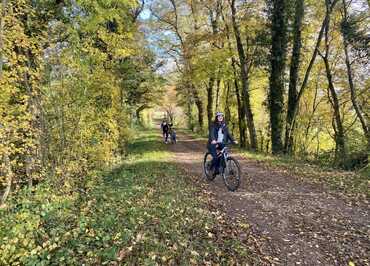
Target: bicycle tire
232	187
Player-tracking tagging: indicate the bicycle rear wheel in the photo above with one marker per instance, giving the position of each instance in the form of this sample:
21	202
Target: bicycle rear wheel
231	174
207	162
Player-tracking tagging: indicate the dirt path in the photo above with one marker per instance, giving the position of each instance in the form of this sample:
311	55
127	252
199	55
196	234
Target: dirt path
296	222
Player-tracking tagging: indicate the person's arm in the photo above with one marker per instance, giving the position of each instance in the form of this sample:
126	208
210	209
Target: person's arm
211	134
229	137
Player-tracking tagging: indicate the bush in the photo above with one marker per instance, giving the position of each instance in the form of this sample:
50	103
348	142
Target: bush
356	160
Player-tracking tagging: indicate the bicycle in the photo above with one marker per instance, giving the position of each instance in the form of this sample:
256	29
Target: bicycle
229	169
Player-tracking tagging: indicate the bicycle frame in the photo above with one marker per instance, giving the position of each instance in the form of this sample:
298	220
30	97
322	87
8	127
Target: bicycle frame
225	152
225	155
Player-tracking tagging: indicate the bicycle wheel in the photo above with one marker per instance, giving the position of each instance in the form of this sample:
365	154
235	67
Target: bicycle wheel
207	166
231	174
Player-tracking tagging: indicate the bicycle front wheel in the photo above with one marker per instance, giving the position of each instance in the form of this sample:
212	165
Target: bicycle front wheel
231	174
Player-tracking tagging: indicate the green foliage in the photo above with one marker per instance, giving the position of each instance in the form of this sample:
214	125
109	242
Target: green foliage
143	212
200	36
72	76
354	28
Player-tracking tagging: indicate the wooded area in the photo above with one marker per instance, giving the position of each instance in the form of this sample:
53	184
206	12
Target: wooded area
82	180
77	81
73	76
292	76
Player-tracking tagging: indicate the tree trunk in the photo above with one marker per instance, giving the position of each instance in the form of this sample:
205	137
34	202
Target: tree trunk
363	120
241	114
294	71
199	105
227	103
9	174
3	13
278	57
213	16
218	89
309	68
244	79
337	125
190	116
139	110
31	156
210	112
261	138
315	105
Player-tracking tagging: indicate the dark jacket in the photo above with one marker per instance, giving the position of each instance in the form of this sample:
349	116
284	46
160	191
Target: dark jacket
213	133
165	128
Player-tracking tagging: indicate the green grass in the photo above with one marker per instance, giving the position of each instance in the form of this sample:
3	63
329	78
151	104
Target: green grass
144	212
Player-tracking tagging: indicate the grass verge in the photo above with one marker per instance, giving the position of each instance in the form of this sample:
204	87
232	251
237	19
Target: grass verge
144	212
351	183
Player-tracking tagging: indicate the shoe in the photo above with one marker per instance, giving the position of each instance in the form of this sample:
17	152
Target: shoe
215	172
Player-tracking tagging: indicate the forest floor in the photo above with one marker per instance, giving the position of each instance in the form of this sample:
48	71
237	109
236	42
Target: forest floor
292	220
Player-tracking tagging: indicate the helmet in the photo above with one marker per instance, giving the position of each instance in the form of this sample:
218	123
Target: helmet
219	114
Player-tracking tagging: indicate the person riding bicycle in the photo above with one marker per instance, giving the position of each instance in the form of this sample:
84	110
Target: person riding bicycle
218	136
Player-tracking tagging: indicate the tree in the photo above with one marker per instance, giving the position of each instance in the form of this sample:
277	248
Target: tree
170	17
294	71
241	114
293	112
278	58
340	151
64	103
345	35
244	79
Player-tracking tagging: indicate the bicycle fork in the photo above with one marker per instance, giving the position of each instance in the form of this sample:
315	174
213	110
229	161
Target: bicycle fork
224	164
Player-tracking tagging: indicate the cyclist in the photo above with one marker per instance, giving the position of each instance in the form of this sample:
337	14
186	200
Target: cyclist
218	136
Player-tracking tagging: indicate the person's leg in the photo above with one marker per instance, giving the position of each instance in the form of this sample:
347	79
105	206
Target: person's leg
166	136
219	148
213	151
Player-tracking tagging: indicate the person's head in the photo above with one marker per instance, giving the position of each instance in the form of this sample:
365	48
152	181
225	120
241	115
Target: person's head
219	118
